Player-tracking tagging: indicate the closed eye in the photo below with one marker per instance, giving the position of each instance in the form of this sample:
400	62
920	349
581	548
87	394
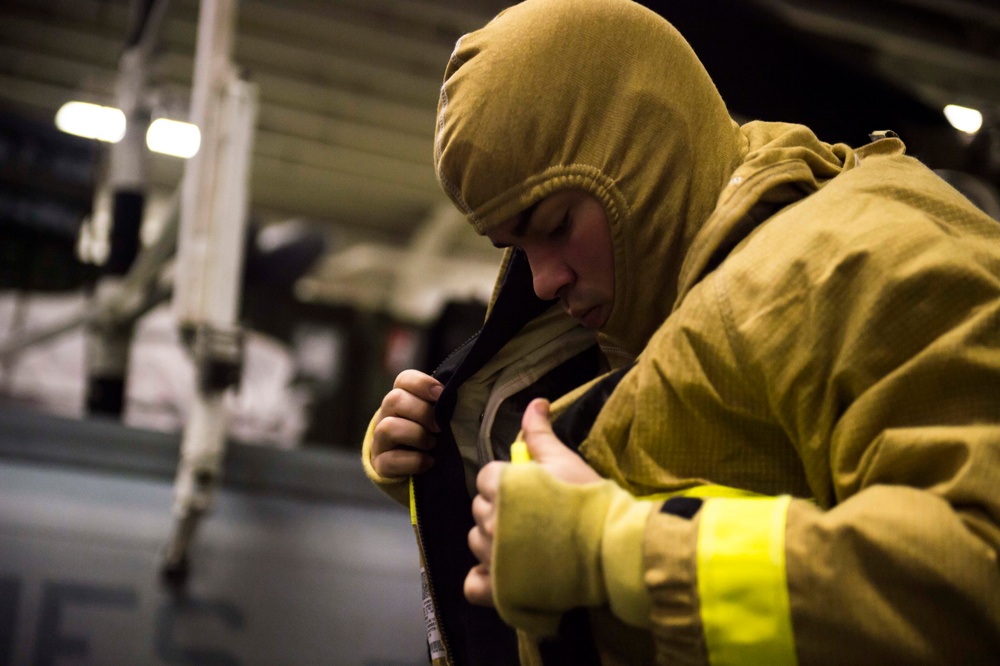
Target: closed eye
562	229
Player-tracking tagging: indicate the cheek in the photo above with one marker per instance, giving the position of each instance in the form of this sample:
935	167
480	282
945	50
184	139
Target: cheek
608	272
604	259
597	269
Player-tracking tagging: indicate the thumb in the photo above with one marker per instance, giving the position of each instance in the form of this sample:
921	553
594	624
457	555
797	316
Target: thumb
543	445
548	450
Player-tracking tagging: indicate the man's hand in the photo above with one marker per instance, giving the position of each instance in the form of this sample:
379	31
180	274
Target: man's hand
554	457
404	427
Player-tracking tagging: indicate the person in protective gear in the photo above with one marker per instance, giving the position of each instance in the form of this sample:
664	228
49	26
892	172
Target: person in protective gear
779	358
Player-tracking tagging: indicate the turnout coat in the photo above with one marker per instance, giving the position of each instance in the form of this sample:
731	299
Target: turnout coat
797	393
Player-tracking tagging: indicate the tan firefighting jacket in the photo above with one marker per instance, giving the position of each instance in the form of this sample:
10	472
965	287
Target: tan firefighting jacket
815	324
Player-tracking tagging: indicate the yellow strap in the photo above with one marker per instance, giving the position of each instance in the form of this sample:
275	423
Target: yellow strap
742	582
413	505
519	452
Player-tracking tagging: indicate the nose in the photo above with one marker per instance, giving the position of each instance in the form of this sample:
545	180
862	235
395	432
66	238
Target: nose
549	273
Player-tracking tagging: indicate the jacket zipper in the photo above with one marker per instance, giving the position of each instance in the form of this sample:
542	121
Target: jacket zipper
430	582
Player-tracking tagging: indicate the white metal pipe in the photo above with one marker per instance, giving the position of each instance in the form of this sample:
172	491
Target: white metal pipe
221	300
214	201
212	74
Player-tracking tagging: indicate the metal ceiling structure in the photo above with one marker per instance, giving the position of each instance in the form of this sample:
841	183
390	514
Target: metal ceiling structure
848	67
349	88
944	51
348	92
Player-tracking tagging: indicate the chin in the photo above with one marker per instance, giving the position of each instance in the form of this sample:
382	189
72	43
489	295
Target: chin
594	318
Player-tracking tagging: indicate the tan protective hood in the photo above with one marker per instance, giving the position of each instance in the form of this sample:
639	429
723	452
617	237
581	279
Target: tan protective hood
604	96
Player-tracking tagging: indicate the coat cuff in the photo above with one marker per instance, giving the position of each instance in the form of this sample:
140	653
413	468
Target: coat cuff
622	558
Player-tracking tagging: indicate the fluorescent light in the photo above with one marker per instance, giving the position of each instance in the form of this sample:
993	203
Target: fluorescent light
963	118
106	123
92	121
172	137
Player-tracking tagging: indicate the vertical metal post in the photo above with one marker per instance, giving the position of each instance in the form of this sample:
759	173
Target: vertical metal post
213	70
214	201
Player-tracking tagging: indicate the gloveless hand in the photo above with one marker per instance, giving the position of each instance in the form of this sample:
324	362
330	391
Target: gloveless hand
405	427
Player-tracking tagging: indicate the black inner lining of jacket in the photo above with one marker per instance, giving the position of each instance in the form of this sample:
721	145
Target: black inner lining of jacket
474	635
576	371
573	426
477	635
515	306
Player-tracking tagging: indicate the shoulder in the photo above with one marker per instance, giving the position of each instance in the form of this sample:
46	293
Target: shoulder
892	248
868	223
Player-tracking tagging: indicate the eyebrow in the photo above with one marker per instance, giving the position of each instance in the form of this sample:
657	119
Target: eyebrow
523	222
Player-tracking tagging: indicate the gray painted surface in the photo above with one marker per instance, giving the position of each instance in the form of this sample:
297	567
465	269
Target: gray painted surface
280	575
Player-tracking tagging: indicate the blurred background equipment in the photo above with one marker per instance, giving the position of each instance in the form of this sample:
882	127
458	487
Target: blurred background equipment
48	180
302	562
124	125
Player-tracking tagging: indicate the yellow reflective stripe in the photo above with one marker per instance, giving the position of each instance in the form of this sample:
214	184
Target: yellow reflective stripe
702	491
717	491
742	583
413	505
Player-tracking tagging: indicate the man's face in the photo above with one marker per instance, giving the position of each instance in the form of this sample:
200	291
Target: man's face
567	239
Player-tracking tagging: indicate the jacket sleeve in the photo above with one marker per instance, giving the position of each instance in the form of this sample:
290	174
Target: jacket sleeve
888	385
396	488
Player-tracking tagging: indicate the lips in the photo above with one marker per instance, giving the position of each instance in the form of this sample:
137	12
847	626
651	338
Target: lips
591	317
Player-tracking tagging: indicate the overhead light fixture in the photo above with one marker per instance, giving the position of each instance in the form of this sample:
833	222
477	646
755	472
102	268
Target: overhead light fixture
106	123
172	137
963	118
92	121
